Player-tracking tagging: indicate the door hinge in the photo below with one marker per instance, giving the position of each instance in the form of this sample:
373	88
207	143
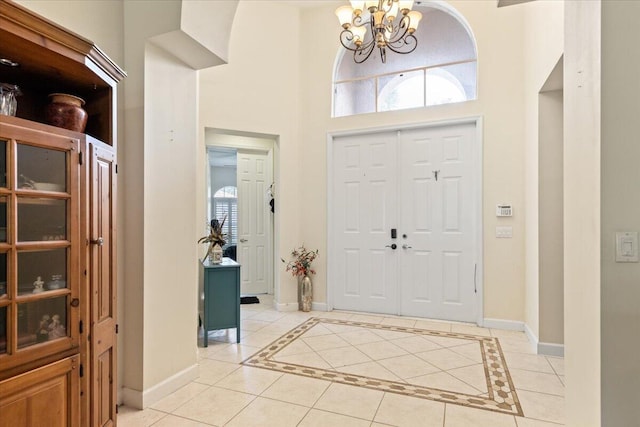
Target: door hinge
81	328
80	158
475	275
116	168
81	370
117	328
117	408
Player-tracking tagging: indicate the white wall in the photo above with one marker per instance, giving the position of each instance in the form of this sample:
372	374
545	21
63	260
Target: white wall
582	212
543	47
620	208
258	93
500	102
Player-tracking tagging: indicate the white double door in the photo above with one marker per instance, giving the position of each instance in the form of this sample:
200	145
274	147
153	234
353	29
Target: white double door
420	183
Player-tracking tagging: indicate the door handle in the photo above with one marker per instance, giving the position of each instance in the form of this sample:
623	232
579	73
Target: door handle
243	240
99	241
405	246
392	246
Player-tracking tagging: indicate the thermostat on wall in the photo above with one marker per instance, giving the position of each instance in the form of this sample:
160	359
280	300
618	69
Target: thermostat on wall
504	210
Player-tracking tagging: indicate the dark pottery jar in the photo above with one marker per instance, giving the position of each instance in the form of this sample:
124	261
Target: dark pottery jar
65	111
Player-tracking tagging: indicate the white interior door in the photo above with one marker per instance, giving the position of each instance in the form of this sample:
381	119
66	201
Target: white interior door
420	183
253	250
364	211
438	205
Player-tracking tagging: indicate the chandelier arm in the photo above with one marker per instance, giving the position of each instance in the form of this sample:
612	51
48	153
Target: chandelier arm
398	33
361	55
410	42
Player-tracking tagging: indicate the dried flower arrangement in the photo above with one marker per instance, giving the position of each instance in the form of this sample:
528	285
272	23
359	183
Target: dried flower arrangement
215	236
300	264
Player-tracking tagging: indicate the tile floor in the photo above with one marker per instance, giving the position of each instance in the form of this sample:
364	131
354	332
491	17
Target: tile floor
230	393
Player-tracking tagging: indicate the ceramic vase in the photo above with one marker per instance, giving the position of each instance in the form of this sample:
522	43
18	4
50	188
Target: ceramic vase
65	111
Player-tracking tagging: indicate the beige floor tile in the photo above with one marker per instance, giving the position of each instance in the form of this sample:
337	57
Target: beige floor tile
173	421
433	325
214	347
381	350
316	330
249	380
530	362
278	328
562	380
253	325
392	335
537	381
296	347
344	356
408	366
416	344
341	315
365	318
473	375
557	363
215	406
371	370
528	422
325	342
259	339
399	410
460	416
130	417
234	353
349	400
360	336
544	407
470	329
212	371
443	381
445	359
516	346
296	389
268	316
304	359
470	351
398	321
269	413
342	329
179	397
448	342
507	334
244	314
316	418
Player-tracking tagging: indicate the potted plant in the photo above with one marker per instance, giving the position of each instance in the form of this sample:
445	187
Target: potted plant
300	267
215	239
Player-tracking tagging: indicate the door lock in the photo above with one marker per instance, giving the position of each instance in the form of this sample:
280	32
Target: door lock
405	246
392	246
99	241
243	240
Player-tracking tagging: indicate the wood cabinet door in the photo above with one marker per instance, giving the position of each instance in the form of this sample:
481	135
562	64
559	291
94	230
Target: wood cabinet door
103	358
44	397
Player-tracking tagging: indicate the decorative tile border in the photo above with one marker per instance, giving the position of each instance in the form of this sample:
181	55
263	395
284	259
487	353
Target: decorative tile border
502	396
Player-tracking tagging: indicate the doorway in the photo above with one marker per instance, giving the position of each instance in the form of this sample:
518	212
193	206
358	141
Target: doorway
405	222
240	190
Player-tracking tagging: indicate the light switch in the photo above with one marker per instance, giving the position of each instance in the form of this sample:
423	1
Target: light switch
627	246
504	232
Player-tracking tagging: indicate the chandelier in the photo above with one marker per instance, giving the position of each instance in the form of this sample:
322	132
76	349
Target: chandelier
385	24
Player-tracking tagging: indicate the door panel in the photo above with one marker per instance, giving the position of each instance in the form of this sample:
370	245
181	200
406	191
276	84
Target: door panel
364	212
427	194
438	206
103	288
254	254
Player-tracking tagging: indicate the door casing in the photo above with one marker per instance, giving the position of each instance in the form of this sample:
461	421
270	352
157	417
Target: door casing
477	150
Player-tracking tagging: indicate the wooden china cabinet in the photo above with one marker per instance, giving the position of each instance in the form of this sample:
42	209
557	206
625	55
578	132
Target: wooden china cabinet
57	231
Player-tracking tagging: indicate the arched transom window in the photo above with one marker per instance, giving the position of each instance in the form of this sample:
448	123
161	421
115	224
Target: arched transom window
441	70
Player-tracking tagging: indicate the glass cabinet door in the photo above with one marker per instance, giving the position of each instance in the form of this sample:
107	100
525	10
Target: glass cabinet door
39	234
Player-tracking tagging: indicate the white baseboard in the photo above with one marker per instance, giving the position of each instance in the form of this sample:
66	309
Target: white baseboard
533	338
142	399
285	306
510	325
550	349
319	306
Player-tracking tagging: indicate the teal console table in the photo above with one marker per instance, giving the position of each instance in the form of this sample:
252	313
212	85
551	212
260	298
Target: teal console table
220	297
